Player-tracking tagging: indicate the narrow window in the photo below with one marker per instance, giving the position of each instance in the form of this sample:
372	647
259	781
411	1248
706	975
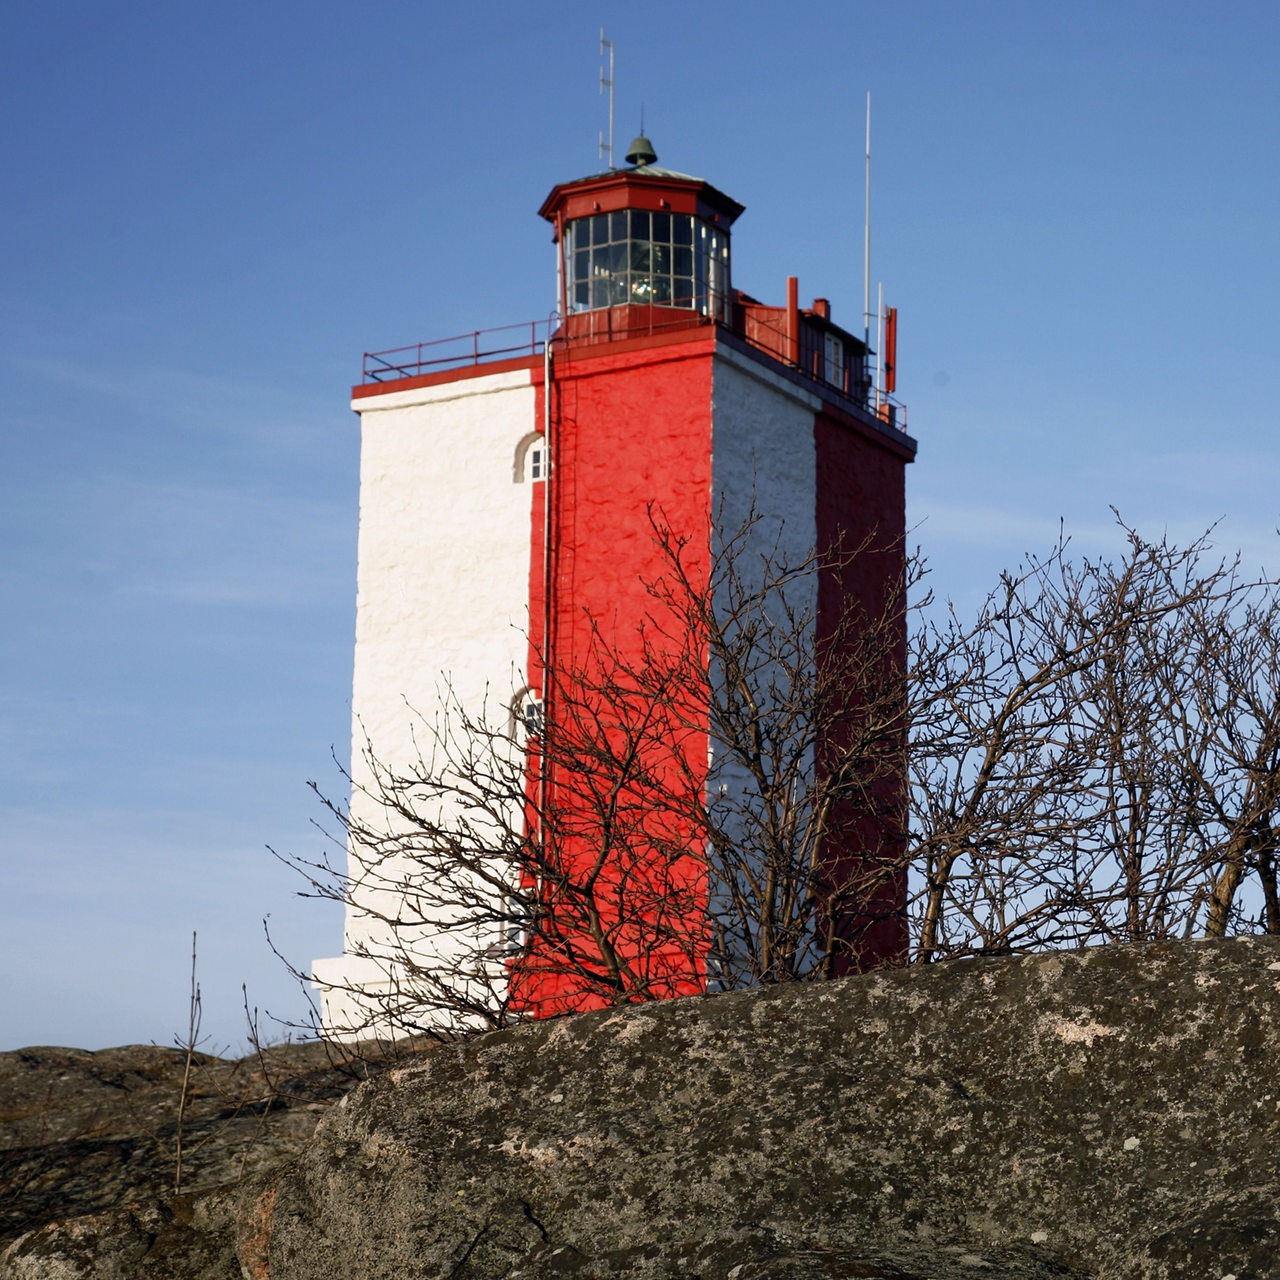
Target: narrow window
833	370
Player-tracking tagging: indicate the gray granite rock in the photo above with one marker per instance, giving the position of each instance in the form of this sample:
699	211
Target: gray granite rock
82	1132
1112	1114
185	1238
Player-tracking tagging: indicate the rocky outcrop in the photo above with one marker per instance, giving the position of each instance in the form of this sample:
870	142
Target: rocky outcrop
1112	1114
82	1132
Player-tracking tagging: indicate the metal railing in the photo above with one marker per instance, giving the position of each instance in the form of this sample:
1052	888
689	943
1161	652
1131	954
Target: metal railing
481	346
517	341
765	328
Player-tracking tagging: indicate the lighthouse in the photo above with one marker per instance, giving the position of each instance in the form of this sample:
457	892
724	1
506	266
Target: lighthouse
557	522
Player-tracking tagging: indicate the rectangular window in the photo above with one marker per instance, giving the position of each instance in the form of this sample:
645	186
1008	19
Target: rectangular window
833	363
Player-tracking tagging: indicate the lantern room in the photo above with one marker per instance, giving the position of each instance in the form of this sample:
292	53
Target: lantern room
641	247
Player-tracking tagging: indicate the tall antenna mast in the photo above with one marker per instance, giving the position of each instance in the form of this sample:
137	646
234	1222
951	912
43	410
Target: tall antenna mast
606	82
866	239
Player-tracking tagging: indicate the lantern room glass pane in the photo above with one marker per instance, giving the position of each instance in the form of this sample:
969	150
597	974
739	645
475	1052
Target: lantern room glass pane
641	258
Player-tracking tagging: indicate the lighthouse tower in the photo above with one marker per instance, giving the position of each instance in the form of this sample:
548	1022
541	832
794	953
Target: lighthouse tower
547	515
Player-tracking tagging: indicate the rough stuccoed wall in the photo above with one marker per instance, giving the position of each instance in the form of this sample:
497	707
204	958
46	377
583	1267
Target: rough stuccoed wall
632	454
1114	1110
441	611
763	475
1109	1114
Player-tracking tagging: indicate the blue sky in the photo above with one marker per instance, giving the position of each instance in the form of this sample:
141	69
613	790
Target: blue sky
211	211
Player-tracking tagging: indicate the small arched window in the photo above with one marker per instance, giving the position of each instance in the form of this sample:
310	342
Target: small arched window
533	459
526	714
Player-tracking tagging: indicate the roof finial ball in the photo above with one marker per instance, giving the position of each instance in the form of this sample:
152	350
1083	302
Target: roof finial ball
641	152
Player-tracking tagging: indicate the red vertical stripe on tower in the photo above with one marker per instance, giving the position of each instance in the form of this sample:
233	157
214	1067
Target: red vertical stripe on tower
632	441
861	651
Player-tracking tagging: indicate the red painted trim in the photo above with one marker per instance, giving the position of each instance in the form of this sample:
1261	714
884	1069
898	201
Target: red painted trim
793	320
630	320
701	338
366	389
626	189
891	349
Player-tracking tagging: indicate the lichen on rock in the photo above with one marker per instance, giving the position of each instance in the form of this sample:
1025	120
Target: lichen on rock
1107	1114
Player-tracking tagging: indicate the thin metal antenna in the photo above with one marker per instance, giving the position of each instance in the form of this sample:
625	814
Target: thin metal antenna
866	239
606	82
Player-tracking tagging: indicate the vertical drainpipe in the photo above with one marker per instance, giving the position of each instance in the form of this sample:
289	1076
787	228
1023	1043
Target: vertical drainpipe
548	451
793	321
548	444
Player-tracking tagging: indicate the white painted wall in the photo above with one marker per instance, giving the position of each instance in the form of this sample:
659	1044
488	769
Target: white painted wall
763	463
441	608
